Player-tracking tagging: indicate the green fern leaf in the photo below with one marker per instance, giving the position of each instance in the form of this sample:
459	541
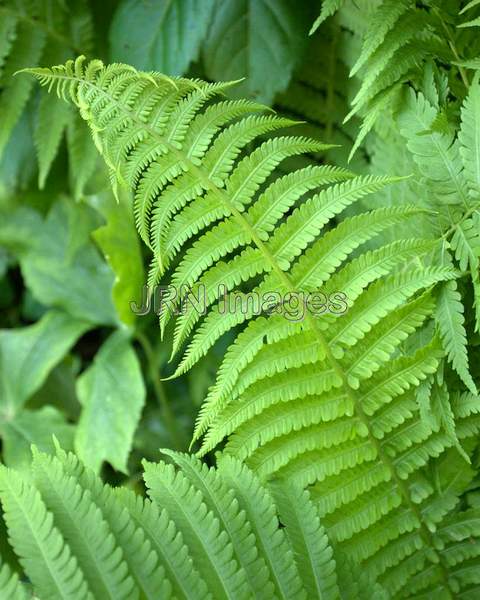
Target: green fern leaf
271	541
43	552
437	155
10	587
32	33
83	527
220	500
308	540
200	528
451	325
329	7
119	511
361	440
469	137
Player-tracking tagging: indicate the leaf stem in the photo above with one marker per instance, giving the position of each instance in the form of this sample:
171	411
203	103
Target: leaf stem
453	48
162	398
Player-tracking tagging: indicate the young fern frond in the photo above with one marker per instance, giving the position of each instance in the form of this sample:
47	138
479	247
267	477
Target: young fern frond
206	532
447	165
143	125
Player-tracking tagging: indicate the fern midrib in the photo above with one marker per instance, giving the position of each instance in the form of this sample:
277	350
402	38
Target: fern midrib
464	217
34	533
70	511
177	582
285	279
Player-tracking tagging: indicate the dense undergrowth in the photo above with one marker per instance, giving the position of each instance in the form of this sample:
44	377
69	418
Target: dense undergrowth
286	301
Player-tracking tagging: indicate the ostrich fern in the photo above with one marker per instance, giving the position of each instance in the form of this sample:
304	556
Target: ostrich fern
328	400
204	533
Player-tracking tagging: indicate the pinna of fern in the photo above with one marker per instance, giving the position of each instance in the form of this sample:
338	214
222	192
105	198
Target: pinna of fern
318	94
427	138
398	37
329	399
203	533
445	163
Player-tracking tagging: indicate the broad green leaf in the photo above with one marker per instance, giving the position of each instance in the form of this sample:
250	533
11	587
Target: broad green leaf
34	427
259	40
18	228
28	354
164	35
64	269
59	389
119	242
112	394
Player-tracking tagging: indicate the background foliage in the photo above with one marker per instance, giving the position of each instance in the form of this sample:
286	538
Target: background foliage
392	88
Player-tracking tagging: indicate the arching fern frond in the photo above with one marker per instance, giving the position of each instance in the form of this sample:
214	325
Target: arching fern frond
325	397
233	220
206	533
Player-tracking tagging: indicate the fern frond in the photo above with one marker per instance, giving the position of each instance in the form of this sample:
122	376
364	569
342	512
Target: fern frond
308	540
329	7
436	154
351	371
157	558
221	501
469	137
10	587
211	547
271	541
43	552
383	21
226	508
451	324
133	539
83	527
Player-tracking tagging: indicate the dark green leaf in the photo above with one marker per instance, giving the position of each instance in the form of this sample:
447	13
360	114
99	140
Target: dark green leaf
112	394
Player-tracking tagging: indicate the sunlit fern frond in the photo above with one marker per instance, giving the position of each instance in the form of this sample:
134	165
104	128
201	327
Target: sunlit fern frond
326	395
204	533
203	196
